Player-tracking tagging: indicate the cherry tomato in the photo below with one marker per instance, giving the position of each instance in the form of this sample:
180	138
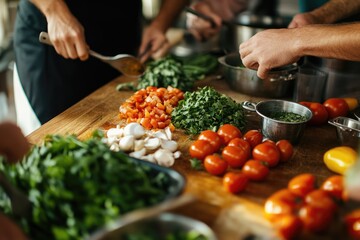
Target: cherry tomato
227	132
288	226
200	149
352	222
239	142
234	156
315	219
282	202
235	182
336	107
286	150
320	199
302	184
255	170
254	137
320	114
267	152
334	186
215	165
212	137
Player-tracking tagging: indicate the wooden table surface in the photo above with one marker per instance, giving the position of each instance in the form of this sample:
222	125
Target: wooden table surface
231	216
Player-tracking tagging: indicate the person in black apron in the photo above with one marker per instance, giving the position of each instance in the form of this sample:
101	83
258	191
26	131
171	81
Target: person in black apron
53	82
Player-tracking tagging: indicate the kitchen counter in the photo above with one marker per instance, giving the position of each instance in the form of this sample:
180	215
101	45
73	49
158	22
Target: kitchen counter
231	216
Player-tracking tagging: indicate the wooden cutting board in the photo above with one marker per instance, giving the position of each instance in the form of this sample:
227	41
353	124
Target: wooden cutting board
215	206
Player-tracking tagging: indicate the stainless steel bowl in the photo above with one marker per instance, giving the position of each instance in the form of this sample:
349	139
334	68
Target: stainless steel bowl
274	129
279	83
347	130
159	227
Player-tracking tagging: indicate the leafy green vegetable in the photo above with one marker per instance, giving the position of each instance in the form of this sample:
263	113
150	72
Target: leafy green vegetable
78	186
207	109
288	117
151	234
175	72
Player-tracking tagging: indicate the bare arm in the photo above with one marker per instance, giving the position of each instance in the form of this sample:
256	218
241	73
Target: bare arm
278	47
65	31
330	12
154	35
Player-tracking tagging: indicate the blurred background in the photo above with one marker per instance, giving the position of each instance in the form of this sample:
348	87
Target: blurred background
7	16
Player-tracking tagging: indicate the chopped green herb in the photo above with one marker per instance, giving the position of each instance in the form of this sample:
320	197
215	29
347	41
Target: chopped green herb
207	109
287	117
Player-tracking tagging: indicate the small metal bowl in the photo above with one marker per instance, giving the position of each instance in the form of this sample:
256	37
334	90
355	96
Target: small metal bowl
347	130
159	227
276	130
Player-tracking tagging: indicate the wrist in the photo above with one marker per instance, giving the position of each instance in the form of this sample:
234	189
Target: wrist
50	7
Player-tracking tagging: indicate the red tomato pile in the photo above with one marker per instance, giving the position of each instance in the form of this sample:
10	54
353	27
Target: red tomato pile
151	107
331	108
304	207
227	151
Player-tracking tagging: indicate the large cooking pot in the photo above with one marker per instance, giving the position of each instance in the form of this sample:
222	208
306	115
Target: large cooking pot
343	76
247	24
278	84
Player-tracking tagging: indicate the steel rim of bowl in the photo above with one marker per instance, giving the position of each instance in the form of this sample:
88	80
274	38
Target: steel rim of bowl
342	123
256	106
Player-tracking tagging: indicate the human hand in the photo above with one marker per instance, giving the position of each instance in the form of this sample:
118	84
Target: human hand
302	19
200	28
268	49
13	143
66	33
154	44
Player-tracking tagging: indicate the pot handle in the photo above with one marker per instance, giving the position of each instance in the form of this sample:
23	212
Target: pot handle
249	106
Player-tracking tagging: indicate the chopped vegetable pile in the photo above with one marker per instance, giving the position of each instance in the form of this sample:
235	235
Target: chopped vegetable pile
151	234
174	72
207	109
151	107
288	117
76	186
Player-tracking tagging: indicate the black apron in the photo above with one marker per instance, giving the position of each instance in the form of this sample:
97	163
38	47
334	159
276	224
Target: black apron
53	83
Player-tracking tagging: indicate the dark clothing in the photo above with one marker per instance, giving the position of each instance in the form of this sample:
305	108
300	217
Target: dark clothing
53	83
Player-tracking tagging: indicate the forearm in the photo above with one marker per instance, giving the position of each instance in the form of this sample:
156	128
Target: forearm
169	11
49	7
335	10
329	41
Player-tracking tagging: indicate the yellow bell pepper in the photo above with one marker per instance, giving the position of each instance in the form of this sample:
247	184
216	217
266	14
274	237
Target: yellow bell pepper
339	159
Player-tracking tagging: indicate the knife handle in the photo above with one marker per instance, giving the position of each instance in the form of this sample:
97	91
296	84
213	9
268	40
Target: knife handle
44	38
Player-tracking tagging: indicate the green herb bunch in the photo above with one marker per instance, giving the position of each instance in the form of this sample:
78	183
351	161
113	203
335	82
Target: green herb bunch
207	109
76	186
181	73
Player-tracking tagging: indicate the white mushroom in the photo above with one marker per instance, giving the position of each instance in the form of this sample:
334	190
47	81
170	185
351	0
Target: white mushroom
152	143
177	154
160	134
139	144
138	154
149	158
127	143
134	129
114	147
169	145
168	133
114	133
164	157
